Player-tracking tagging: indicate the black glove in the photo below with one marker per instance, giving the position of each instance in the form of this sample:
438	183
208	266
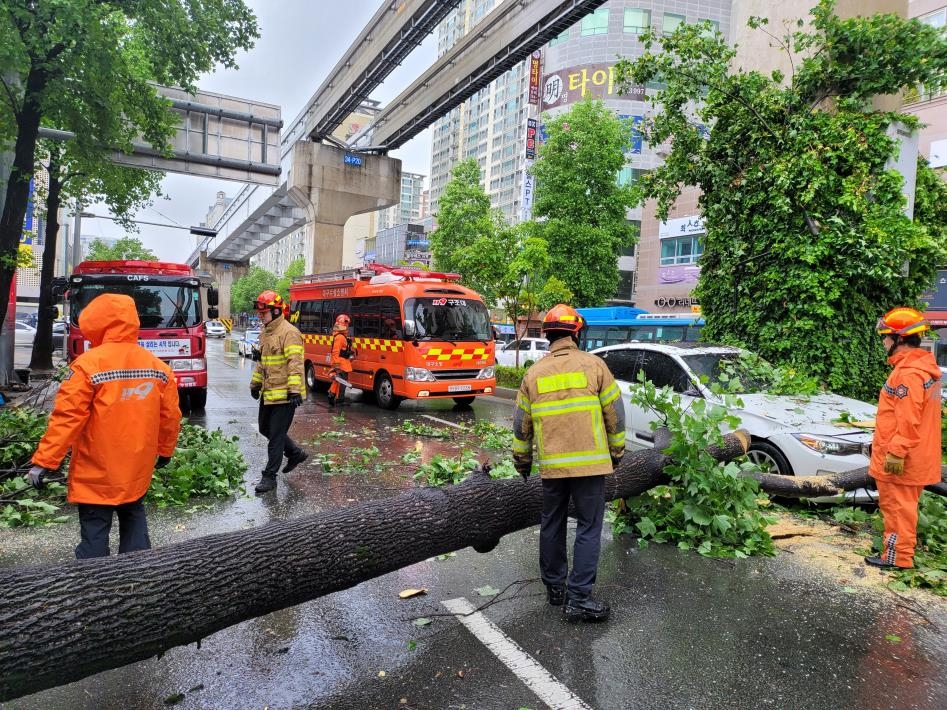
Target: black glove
616	460
37	476
162	462
255	392
523	469
295	399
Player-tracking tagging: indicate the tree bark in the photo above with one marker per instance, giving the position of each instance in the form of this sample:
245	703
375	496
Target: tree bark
830	485
64	622
41	359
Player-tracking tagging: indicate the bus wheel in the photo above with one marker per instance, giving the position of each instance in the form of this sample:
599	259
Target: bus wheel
385	392
313	383
198	398
464	401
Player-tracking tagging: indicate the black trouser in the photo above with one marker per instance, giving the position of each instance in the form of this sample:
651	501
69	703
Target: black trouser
95	524
275	420
588	496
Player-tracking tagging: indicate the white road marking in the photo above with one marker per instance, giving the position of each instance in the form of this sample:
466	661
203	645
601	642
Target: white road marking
524	666
444	421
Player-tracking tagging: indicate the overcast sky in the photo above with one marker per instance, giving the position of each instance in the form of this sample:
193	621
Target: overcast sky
300	42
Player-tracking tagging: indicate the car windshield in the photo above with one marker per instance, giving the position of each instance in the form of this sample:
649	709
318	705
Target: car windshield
449	318
710	366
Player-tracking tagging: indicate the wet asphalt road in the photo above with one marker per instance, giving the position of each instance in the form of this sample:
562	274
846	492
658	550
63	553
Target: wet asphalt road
686	632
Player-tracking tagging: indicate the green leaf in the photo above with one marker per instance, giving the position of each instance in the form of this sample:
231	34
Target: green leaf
421	621
487	591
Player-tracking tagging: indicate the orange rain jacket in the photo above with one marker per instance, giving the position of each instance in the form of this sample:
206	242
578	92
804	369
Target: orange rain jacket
338	345
907	423
117	410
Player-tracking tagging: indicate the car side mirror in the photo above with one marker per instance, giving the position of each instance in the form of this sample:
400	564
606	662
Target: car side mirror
212	297
409	329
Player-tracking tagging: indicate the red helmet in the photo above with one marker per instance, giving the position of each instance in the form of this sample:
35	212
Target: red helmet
269	300
563	317
342	320
902	321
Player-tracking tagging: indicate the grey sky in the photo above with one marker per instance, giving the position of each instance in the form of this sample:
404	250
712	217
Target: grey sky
300	42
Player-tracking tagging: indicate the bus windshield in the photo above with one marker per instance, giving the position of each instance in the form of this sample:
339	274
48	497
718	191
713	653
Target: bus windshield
448	318
158	305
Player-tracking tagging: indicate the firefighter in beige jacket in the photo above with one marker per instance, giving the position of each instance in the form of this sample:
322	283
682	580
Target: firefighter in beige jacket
278	383
570	404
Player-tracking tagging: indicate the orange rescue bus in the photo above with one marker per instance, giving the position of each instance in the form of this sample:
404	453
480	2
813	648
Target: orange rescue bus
417	334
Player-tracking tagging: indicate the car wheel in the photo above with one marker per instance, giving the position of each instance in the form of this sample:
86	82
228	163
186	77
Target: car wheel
198	398
385	392
769	458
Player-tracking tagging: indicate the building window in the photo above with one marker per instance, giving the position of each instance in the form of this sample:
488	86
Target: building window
681	250
559	39
629	176
626	286
637	21
672	22
935	19
712	30
595	23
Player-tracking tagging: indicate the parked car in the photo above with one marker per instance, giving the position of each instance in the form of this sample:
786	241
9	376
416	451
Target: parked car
215	329
790	435
60	327
246	344
24	334
529	349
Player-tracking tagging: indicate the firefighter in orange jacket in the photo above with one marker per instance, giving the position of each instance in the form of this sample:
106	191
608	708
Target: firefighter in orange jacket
118	411
905	451
341	358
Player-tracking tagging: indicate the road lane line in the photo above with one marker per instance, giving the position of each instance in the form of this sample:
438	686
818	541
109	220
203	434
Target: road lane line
524	666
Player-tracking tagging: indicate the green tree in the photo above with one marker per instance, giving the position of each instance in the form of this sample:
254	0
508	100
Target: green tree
806	236
463	217
124	248
297	267
75	176
578	197
244	290
90	67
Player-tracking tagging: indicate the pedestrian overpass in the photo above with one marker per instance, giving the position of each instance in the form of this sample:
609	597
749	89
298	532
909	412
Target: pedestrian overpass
324	180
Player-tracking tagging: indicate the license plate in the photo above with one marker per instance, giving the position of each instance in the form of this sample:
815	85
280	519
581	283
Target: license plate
458	388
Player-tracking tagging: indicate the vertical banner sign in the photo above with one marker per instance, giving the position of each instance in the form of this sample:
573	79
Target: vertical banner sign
526	197
531	131
534	77
26	238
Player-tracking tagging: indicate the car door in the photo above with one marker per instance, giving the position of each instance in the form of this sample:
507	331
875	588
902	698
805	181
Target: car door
624	364
661	370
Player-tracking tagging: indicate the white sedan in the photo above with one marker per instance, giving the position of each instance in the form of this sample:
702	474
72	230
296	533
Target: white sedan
246	343
522	352
790	435
215	329
24	334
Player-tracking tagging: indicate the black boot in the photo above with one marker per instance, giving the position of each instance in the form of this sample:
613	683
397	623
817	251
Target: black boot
556	593
585	609
294	461
267	483
878	562
331	400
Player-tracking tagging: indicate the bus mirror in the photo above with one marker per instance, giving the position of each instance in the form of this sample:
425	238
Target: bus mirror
213	313
212	297
409	329
60	285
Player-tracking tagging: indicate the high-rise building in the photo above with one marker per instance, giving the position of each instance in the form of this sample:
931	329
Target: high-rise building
410	206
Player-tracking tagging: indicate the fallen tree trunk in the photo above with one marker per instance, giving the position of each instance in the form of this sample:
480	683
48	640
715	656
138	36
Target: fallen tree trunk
829	485
65	622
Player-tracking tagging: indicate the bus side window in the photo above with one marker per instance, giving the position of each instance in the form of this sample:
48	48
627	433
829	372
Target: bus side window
366	317
391	318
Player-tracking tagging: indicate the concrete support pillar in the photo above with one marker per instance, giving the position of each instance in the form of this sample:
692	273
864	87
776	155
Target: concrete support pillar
333	184
223	274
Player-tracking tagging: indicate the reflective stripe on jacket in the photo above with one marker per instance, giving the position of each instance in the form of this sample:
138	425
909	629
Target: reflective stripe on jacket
570	405
117	410
907	423
281	368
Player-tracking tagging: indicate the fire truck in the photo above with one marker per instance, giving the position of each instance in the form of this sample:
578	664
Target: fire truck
416	334
170	308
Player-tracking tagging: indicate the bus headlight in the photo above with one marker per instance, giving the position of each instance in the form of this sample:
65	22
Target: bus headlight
195	364
486	373
419	374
